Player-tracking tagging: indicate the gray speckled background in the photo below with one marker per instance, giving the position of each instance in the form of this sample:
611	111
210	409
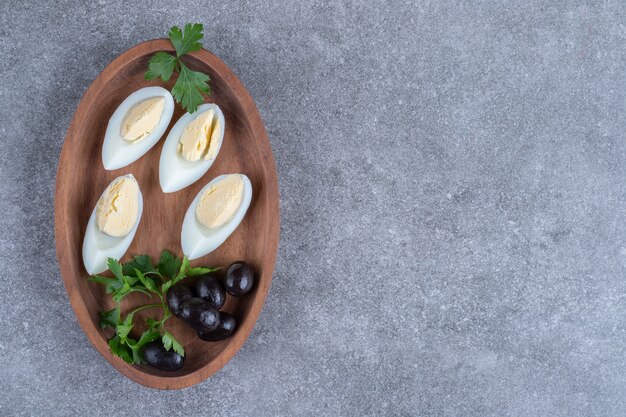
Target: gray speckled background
453	193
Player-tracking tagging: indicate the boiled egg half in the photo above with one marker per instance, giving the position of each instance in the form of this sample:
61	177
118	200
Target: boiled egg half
113	223
191	147
214	214
136	126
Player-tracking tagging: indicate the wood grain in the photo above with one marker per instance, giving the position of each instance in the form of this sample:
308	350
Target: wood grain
81	178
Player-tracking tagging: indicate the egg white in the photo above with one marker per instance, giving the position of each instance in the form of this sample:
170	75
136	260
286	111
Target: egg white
98	246
117	152
175	172
198	240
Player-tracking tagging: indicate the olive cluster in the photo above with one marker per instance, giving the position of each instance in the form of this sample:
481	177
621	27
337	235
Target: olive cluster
199	307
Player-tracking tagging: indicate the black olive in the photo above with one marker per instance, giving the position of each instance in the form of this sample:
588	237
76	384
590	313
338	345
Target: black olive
200	315
155	354
239	278
176	296
227	327
210	289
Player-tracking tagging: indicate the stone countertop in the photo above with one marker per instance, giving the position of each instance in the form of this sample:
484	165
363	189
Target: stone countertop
453	195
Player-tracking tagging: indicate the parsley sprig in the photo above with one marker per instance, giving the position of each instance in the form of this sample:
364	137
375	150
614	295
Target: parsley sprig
142	276
190	85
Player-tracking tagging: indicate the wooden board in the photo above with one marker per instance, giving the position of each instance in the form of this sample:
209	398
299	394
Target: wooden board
81	178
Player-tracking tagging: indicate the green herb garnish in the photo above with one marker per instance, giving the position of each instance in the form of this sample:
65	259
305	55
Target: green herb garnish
190	85
141	275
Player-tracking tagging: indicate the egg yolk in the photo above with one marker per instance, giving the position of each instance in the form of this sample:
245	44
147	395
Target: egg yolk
117	209
142	118
200	139
219	203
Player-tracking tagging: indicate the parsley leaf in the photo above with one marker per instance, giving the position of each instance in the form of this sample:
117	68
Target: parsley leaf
120	349
188	40
178	348
200	270
190	85
169	264
124	328
109	318
122	284
167	340
189	88
137	358
170	342
147	337
140	262
184	266
111	284
161	65
116	268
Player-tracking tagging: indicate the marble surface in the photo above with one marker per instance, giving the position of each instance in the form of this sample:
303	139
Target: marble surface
453	194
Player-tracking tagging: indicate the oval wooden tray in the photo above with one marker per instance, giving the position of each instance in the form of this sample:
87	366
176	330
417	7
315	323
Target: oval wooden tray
81	178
